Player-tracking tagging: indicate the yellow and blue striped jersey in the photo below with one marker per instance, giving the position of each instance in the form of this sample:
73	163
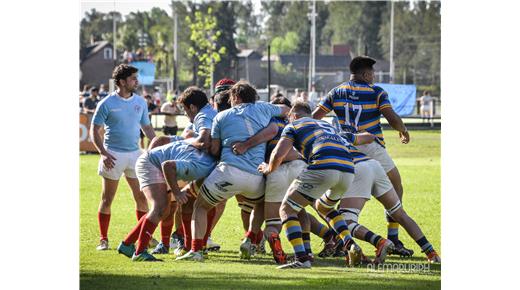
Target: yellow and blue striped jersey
357	156
358	107
319	144
280	123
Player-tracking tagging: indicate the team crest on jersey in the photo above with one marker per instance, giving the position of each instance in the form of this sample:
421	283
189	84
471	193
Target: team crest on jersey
137	108
353	96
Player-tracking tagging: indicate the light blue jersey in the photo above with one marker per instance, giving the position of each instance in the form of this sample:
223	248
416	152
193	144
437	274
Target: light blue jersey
237	125
204	118
191	163
122	120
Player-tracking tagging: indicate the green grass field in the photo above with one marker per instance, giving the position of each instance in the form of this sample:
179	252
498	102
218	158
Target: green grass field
419	164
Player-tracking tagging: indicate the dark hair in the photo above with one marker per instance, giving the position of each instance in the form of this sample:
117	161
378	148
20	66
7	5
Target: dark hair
361	63
222	101
148	97
300	107
193	96
282	101
244	91
426	93
123	71
94	89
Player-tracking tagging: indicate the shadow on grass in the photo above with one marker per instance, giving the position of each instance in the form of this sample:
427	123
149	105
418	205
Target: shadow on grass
315	278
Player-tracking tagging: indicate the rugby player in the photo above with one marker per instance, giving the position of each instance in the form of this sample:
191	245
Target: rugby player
371	180
330	166
122	114
277	182
158	169
235	173
358	104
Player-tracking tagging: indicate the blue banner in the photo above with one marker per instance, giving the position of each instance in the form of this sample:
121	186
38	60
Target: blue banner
402	97
146	73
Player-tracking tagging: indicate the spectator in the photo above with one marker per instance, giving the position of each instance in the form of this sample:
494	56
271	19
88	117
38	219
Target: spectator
313	95
170	111
127	56
103	92
295	96
139	54
82	96
426	108
152	109
90	103
157	96
305	98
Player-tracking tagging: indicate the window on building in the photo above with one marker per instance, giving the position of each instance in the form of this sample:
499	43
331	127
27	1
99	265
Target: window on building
107	53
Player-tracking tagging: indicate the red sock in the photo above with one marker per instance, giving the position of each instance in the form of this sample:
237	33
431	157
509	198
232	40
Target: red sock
166	230
104	221
145	235
140	214
180	230
251	236
134	234
196	245
186	225
259	237
209	224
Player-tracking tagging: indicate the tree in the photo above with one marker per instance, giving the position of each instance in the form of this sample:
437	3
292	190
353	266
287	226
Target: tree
204	38
93	26
285	45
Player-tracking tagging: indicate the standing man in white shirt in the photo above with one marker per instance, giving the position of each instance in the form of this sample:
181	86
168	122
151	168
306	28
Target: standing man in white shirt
170	111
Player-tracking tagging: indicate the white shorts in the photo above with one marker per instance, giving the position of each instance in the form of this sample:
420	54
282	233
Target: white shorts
370	179
226	181
146	172
379	153
277	183
314	183
124	163
425	109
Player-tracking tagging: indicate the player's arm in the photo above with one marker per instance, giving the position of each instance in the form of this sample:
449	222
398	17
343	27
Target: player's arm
169	170
159	141
292	155
277	156
95	135
215	147
319	113
203	141
148	131
397	123
262	136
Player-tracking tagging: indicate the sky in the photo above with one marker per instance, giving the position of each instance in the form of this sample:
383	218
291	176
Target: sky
127	6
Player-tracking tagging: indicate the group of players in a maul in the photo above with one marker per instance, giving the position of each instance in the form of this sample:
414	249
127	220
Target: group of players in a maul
276	158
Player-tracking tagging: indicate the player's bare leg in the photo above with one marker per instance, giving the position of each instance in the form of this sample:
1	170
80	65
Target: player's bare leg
199	224
394	207
245	212
219	210
166	226
108	192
